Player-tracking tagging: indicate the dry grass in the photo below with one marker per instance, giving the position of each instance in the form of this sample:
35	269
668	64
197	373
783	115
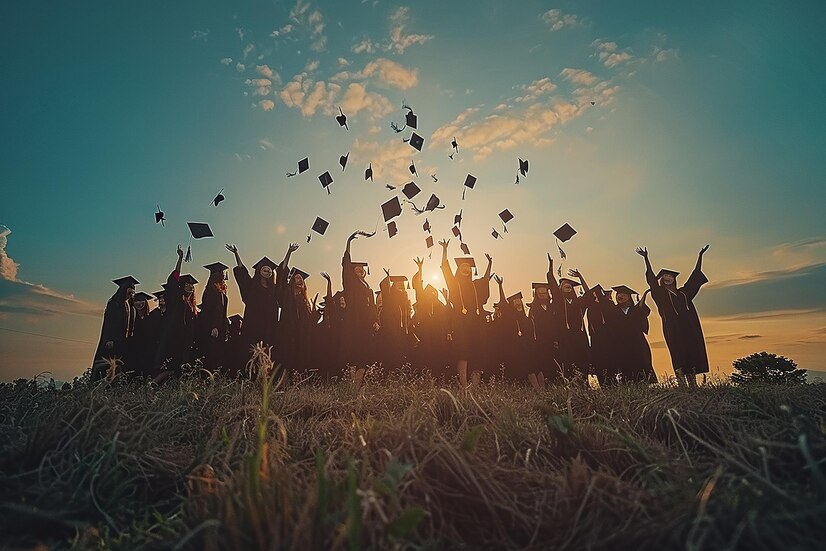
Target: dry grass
408	463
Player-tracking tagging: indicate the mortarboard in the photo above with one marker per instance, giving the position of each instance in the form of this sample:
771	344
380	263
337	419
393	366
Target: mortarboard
494	233
537	284
302	273
411	190
303	166
342	119
457	219
159	217
143	296
216	267
434	178
391	209
264	262
364	265
416	142
429	241
470	181
392	229
412	168
465	248
126	281
454	144
343	160
368	174
199	229
523	167
505	216
432	204
235	318
514	297
188	278
564	233
218	198
411	119
326	180
625	289
465	260
320	225
569	280
398	279
160	293
426	225
667	271
456	231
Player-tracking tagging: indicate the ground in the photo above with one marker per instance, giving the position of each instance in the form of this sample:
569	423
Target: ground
407	462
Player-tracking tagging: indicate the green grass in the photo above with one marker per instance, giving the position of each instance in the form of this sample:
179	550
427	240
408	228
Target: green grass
408	463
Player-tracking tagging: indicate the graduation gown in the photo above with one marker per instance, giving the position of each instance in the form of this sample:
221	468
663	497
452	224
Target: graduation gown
176	341
681	323
629	326
260	313
604	358
393	337
467	299
430	326
574	353
547	342
518	341
142	345
213	316
232	350
329	352
295	326
118	326
357	341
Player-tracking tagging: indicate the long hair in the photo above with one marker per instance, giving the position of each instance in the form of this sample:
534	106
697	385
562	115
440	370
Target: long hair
302	292
190	301
218	283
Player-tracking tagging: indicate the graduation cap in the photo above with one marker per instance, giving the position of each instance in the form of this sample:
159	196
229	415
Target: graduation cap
411	119
159	217
320	226
465	248
199	230
392	229
429	241
364	265
455	145
523	167
342	119
505	216
540	284
302	273
368	174
188	278
470	181
593	103
218	198
456	231
218	267
143	296
388	186
416	141
426	225
303	166
465	260
391	209
514	297
126	281
457	219
625	290
264	262
343	160
412	168
573	283
432	204
235	318
411	190
159	294
667	271
495	233
434	178
326	180
564	233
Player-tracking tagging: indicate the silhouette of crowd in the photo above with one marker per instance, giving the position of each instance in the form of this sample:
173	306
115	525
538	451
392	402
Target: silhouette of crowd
565	331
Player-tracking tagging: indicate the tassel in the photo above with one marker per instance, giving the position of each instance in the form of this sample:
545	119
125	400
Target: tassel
463	193
562	254
188	256
559	271
309	237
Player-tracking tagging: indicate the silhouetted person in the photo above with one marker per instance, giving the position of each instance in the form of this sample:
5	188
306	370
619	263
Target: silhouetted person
604	360
176	343
517	337
628	323
361	314
297	316
681	324
430	325
258	294
118	325
393	336
545	327
212	321
142	344
574	353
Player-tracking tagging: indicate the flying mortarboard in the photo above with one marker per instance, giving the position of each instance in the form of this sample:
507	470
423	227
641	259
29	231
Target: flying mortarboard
391	209
392	229
667	271
429	241
342	119
432	204
457	219
320	225
368	174
216	267
465	248
470	181
303	166
505	216
426	225
411	190
199	230
456	231
143	296
523	167
412	168
494	233
454	144
343	160
218	198
159	217
416	142
302	273
411	119
264	262
326	180
564	233
126	281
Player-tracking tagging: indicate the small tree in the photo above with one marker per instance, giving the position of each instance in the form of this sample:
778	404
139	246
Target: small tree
767	368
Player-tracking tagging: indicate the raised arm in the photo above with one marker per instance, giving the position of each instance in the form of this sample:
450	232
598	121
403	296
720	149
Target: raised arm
490	265
499	281
180	259
446	271
234	250
699	266
552	283
329	295
697	278
649	271
290	250
575	273
417	278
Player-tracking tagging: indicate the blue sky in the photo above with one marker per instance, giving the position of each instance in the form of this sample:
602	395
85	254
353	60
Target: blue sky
707	128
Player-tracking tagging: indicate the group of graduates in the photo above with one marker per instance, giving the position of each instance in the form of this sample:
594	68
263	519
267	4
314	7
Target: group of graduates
567	331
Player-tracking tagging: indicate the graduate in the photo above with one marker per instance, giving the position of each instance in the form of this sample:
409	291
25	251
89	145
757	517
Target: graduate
298	317
361	313
518	337
328	348
629	326
602	330
258	294
681	323
545	328
176	342
574	354
394	322
142	343
467	298
232	347
212	321
430	326
118	326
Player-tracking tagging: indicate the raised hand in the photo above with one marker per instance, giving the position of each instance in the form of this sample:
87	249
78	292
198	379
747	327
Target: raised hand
444	243
489	257
573	272
231	248
498	279
386	272
325	275
444	293
550	263
180	252
645	295
704	249
642	251
293	247
419	262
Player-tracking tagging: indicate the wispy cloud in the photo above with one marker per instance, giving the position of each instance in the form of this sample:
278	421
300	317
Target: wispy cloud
198	34
400	40
226	61
557	20
610	54
312	20
266	104
392	74
307	95
357	99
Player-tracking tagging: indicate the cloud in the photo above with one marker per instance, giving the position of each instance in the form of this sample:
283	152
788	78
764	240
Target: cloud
200	35
366	46
399	40
226	60
390	159
580	77
240	67
266	104
283	31
557	20
265	144
665	54
357	98
342	62
313	21
305	94
22	297
392	74
260	86
266	72
311	65
536	89
610	55
248	50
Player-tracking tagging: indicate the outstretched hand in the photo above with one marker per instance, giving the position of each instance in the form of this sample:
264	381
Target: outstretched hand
180	252
704	249
419	262
444	243
498	279
444	293
386	272
642	251
293	247
325	275
489	257
550	263
645	295
573	272
231	248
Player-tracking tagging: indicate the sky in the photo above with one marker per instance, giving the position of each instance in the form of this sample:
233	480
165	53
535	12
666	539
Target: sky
707	126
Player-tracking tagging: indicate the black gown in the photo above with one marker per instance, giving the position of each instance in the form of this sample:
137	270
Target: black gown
547	341
260	313
467	299
213	316
176	341
357	340
604	361
681	323
430	326
142	345
393	337
118	325
574	353
295	328
629	326
518	342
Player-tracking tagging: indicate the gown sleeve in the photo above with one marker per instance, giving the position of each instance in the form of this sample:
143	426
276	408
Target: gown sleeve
244	281
696	280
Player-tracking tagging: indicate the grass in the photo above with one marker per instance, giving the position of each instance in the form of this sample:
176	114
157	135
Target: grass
408	463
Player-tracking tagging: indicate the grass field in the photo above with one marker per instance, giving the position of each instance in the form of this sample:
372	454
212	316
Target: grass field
408	463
